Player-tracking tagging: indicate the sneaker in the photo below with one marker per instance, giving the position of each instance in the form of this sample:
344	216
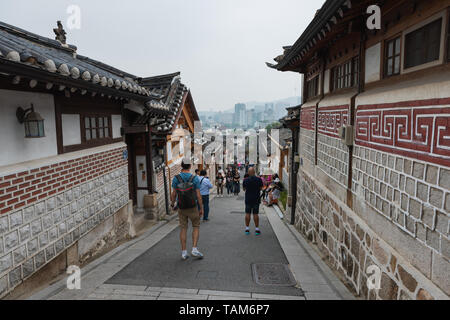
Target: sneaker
247	232
197	254
184	256
258	232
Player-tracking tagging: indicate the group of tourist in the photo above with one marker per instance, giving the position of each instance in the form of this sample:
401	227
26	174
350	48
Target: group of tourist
191	193
231	180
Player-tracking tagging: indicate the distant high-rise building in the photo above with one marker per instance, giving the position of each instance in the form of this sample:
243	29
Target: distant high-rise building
240	116
251	118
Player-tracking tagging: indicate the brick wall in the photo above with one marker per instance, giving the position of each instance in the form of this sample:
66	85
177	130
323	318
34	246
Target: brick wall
397	215
45	209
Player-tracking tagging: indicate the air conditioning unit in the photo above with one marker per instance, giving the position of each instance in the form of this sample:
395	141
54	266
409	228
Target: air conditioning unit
346	134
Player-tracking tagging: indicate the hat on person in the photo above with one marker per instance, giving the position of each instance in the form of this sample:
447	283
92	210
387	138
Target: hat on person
277	180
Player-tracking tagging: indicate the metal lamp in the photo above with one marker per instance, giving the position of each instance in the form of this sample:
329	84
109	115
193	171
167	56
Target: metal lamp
34	123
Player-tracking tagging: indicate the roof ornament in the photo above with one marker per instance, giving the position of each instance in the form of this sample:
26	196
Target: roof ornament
60	33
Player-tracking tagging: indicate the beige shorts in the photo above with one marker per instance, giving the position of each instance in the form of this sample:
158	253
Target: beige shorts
189	214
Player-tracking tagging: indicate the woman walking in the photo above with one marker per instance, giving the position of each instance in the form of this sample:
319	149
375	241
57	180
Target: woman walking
237	182
220	183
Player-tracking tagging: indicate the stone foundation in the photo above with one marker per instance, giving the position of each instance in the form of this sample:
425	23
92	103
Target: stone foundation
351	246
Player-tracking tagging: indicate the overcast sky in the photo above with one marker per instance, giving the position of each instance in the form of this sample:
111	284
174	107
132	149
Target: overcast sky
220	46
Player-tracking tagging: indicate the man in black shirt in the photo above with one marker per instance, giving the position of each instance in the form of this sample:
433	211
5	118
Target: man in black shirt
252	186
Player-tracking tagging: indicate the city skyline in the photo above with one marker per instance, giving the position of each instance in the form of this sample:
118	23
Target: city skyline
225	44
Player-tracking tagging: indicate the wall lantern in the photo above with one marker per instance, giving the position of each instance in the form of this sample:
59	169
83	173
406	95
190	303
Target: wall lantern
34	123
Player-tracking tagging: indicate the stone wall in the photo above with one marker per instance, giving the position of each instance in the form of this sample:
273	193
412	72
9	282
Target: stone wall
307	144
396	213
161	196
332	158
49	205
350	246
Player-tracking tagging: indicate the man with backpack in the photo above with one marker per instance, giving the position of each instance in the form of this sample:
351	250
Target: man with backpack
186	191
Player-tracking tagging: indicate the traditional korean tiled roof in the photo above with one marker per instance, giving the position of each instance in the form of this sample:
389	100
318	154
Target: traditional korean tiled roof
172	93
293	114
61	61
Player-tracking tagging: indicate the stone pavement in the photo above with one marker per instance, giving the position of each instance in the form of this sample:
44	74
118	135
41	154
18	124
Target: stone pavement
150	267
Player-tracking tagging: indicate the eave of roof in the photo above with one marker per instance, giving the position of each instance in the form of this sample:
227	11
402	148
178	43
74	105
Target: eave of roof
320	24
28	55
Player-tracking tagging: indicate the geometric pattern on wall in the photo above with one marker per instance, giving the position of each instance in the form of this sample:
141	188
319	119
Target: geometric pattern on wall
330	119
416	129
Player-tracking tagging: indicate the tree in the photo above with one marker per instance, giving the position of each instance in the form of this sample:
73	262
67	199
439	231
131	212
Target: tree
273	125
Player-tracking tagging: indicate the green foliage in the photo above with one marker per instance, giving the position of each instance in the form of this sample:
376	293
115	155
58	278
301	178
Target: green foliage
272	125
283	198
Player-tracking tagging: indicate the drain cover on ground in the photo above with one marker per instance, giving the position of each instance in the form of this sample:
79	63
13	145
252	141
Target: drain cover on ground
273	274
239	198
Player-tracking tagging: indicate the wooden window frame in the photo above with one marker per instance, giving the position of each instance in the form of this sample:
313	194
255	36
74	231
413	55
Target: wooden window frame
98	139
345	75
448	35
386	56
441	15
313	83
85	107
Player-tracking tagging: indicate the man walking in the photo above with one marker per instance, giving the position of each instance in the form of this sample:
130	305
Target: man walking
205	186
185	190
252	186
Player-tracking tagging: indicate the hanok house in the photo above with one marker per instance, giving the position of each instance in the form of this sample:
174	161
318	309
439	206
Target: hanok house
64	180
172	135
374	179
280	141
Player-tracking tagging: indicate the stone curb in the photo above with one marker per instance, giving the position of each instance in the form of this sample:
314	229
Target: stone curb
61	284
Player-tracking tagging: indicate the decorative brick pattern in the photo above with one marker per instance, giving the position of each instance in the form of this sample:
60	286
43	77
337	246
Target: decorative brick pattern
85	192
330	119
308	118
407	192
415	129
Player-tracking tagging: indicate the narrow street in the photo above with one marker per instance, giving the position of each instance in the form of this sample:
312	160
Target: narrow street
150	267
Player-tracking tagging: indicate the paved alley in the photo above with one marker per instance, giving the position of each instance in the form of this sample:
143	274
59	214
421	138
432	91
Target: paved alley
150	267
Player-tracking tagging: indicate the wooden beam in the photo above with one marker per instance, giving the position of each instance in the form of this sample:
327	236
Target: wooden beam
187	118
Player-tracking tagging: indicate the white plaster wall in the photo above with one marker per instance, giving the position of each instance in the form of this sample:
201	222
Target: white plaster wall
326	86
435	86
338	99
169	151
71	129
15	148
373	61
116	125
